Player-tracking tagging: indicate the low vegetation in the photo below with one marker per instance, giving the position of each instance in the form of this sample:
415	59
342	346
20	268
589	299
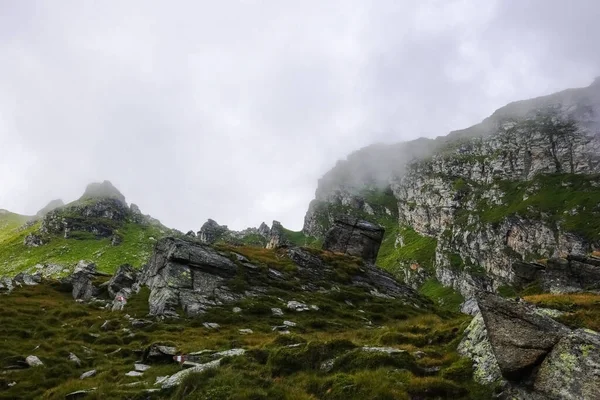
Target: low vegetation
582	310
321	358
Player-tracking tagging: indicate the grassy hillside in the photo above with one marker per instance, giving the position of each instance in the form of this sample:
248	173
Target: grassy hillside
46	322
10	223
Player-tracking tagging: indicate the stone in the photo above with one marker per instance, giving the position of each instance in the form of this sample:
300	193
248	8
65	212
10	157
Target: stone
141	367
158	353
211	325
79	394
85	266
229	353
572	369
237	310
27	279
140	323
354	237
289	323
134	374
520	337
124	278
297	306
476	346
386	350
176	379
211	231
34	361
245	331
74	359
83	288
88	374
33	240
277	312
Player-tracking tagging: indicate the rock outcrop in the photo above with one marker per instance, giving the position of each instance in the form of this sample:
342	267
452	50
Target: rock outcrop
277	236
104	190
53	205
191	276
529	354
354	237
211	232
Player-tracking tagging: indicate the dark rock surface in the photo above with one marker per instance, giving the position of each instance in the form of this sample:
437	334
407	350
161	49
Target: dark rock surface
33	240
124	278
277	236
211	231
571	274
354	237
520	337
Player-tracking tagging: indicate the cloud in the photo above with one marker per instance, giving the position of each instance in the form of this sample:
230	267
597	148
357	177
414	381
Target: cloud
233	110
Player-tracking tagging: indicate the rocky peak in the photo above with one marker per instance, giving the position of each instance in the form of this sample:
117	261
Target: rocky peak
54	204
211	231
277	236
101	191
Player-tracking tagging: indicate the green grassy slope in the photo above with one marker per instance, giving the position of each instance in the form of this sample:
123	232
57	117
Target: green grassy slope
10	223
45	321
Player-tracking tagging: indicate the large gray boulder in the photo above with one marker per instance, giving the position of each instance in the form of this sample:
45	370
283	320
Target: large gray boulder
520	337
124	278
354	237
188	274
572	370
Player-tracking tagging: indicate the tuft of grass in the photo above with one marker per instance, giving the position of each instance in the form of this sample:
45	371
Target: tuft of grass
445	297
582	309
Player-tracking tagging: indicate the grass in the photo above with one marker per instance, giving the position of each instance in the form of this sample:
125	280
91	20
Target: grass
135	249
417	249
445	297
44	321
582	310
10	223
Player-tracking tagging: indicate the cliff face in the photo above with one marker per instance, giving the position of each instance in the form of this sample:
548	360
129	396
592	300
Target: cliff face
521	186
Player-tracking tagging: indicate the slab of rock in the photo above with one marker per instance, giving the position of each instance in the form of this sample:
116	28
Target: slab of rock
80	394
297	306
141	367
211	325
88	374
520	337
177	378
572	370
34	361
277	312
134	374
354	237
245	331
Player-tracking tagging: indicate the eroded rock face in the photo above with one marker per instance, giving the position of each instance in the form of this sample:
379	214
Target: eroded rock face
559	275
520	337
354	237
124	278
276	236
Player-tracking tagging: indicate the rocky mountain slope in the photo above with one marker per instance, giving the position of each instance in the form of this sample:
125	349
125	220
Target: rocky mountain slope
100	226
487	207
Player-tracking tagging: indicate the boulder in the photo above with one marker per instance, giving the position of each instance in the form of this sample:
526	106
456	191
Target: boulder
83	288
158	353
354	237
88	374
27	279
572	370
74	359
34	361
177	378
125	277
520	337
33	240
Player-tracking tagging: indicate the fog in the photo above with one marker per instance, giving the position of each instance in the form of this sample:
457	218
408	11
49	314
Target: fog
234	110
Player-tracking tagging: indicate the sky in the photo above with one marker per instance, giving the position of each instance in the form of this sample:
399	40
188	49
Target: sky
233	110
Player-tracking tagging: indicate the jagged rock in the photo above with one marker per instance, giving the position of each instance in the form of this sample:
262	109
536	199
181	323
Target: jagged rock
354	237
277	312
572	370
470	307
289	323
124	278
53	205
83	288
6	285
26	279
33	240
571	274
191	234
211	231
476	346
157	353
34	361
140	323
277	236
520	337
88	374
264	230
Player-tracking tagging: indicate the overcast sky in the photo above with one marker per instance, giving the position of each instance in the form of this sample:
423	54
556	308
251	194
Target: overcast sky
232	110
